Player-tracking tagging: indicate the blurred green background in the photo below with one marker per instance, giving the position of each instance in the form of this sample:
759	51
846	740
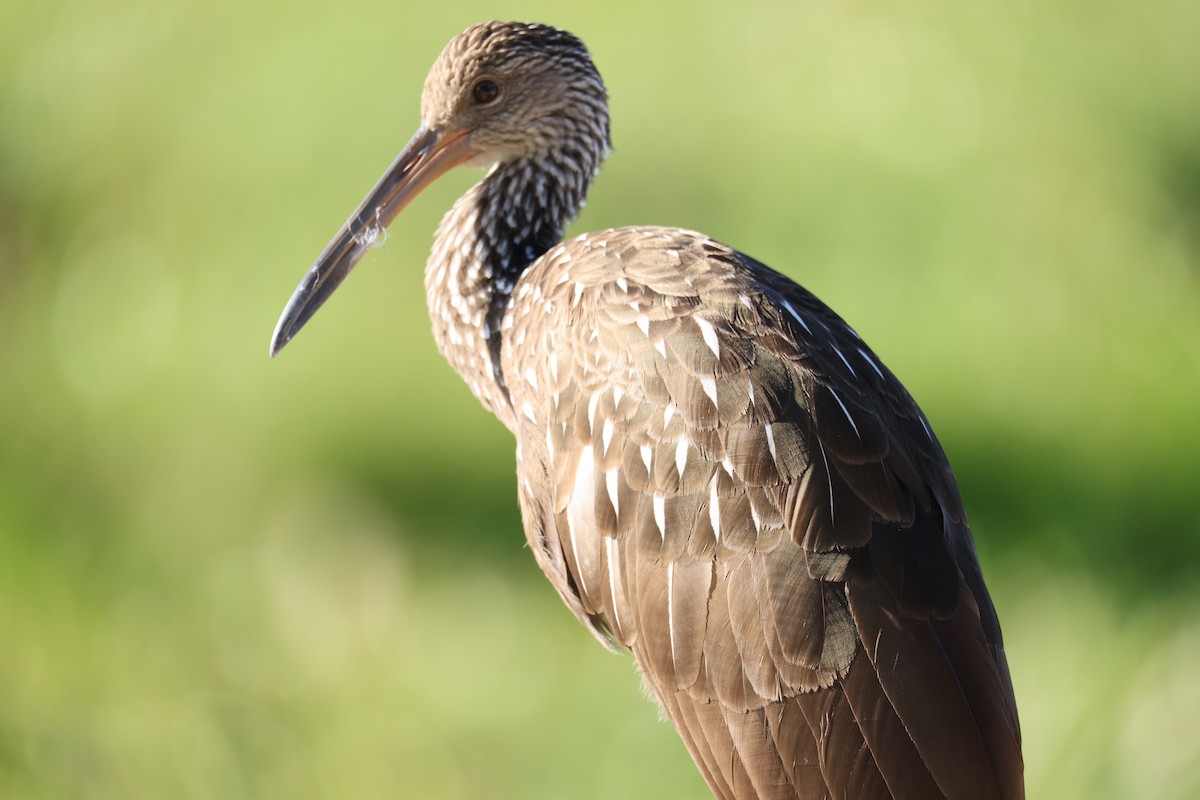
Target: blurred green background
228	577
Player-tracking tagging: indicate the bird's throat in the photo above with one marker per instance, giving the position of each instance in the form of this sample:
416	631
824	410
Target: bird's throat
483	246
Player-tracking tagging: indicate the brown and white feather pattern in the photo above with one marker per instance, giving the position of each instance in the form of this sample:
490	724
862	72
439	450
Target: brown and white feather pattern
717	473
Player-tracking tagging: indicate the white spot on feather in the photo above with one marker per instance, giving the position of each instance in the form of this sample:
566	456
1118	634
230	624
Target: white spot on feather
669	412
825	461
643	322
581	508
593	402
660	515
607	433
647	455
681	452
610	545
871	361
527	410
661	347
710	335
796	314
844	361
846	411
771	443
531	377
714	511
671	606
610	481
710	388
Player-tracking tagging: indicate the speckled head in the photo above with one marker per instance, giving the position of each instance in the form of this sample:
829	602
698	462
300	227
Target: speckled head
500	92
516	88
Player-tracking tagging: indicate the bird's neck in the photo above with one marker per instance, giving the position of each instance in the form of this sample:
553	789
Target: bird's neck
485	242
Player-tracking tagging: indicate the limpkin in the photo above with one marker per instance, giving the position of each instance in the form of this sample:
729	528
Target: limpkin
714	470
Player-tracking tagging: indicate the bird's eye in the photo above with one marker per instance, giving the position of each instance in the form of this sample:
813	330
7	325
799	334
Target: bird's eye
484	92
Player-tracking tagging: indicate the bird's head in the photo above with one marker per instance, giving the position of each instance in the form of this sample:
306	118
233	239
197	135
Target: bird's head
513	89
499	92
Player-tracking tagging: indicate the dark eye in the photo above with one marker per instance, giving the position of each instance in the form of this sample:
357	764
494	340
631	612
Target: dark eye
484	92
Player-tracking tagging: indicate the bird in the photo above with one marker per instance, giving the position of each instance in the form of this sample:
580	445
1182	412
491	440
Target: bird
714	471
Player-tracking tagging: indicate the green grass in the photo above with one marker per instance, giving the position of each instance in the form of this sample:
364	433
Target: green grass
223	576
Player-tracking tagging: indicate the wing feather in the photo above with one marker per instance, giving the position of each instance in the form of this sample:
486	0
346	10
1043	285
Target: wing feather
738	490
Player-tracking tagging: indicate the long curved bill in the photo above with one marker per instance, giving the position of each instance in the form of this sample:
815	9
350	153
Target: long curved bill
430	153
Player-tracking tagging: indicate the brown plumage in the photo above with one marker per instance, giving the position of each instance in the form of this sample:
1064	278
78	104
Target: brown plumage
714	470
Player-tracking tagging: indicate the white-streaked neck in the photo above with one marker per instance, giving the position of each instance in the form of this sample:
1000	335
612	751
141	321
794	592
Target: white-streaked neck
484	244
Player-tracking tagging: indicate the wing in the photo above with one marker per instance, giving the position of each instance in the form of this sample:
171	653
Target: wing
718	474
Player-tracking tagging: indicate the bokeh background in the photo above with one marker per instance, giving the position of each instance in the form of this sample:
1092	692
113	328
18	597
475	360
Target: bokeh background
223	576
